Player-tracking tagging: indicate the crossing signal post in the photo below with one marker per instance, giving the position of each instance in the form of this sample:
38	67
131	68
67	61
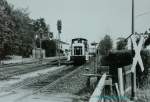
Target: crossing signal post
59	27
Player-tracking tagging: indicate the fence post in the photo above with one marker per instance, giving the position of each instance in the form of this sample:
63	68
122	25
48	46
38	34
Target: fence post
133	85
120	79
118	92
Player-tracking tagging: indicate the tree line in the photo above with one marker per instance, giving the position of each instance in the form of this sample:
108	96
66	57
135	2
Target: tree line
106	44
18	30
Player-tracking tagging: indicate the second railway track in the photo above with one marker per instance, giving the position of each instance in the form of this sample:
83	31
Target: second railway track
6	73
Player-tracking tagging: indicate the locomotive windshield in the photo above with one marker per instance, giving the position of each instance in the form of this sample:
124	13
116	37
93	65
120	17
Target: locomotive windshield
77	50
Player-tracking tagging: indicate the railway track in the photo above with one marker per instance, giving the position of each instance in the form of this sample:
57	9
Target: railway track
57	75
29	81
46	83
42	82
31	62
16	64
48	87
52	78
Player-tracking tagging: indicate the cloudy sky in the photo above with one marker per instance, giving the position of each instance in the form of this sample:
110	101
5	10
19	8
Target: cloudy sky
91	19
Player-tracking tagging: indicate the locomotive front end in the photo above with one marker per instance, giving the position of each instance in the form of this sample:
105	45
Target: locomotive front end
79	51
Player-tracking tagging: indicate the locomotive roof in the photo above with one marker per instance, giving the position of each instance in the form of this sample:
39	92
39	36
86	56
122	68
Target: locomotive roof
79	39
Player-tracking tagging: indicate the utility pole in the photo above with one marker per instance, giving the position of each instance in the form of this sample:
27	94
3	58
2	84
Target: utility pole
133	74
59	27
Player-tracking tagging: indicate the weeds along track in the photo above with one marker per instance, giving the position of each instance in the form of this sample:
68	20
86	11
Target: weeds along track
18	70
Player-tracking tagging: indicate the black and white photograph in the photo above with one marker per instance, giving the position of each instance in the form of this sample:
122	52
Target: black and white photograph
74	50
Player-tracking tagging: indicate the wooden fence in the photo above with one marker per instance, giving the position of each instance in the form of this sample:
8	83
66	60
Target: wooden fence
121	81
125	81
96	96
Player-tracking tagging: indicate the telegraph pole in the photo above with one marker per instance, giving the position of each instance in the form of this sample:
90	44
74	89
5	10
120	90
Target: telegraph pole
132	16
59	27
133	74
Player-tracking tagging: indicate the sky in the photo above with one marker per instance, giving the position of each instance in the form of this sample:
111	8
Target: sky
91	19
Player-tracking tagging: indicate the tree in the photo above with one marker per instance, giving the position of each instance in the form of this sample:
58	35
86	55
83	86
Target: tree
6	28
23	30
105	45
17	30
121	44
41	27
147	38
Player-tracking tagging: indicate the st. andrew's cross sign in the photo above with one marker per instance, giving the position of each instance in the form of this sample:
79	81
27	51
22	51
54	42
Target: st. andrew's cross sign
137	58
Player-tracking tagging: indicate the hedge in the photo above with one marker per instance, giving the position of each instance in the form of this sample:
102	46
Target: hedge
123	58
